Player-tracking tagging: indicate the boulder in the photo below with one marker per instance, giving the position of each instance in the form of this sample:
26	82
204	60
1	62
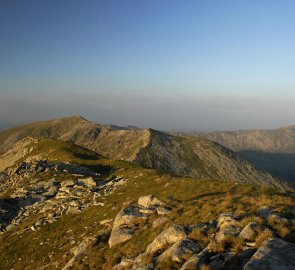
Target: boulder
181	251
125	224
274	254
226	232
119	236
226	220
168	237
129	216
196	261
265	211
237	260
277	218
249	232
149	201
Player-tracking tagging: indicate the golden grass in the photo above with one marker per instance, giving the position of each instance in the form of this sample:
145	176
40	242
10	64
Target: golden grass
193	202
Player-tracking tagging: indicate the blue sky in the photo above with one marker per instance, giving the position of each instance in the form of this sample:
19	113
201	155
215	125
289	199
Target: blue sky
164	64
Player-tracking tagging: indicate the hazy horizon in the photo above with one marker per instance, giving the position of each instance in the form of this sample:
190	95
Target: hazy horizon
168	65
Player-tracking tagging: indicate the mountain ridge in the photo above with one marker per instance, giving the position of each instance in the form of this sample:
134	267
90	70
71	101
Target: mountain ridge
179	155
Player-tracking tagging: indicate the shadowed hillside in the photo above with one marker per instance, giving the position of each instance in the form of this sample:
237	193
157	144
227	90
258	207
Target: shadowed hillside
271	150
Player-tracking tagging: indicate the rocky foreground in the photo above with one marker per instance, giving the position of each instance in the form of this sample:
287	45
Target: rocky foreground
65	207
233	244
37	194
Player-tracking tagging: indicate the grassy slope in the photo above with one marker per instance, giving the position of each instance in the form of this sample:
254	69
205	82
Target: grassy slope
194	201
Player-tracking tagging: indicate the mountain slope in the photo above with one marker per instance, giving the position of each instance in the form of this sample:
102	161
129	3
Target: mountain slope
280	140
67	207
270	150
179	155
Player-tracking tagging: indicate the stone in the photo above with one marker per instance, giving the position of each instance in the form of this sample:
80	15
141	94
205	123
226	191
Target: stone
10	227
78	252
50	193
129	215
149	201
274	254
196	261
216	262
249	232
227	232
119	236
225	220
169	236
106	221
159	221
126	222
87	182
124	264
277	218
163	210
68	183
238	260
181	251
72	210
264	211
149	211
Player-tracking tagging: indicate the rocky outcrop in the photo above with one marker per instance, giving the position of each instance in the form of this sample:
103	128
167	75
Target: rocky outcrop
274	254
50	199
249	232
196	261
181	251
132	218
125	224
228	227
149	201
170	236
231	246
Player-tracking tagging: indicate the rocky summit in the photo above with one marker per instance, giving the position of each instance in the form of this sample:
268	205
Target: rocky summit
78	195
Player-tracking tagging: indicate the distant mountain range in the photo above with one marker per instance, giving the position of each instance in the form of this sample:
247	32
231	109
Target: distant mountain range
189	156
271	150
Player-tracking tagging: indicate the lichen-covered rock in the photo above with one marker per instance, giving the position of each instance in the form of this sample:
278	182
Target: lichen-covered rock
226	232
149	201
181	251
120	235
125	224
166	238
196	261
225	220
249	232
274	254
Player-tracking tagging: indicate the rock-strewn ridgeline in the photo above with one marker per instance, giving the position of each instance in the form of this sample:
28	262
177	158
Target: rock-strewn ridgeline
37	194
179	155
233	243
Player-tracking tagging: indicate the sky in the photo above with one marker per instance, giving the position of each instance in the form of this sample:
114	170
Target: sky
169	65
